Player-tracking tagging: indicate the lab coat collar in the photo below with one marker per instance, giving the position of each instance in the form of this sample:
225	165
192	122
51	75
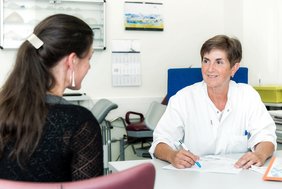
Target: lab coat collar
228	106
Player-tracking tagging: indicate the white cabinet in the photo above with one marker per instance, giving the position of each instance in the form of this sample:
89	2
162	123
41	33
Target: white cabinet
18	18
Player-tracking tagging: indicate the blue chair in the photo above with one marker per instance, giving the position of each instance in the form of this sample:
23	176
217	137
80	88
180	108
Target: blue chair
179	78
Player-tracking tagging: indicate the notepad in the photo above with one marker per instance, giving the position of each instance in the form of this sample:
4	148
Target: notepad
212	163
274	169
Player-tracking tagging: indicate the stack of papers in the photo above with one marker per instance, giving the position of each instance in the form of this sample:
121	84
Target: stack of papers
277	117
212	163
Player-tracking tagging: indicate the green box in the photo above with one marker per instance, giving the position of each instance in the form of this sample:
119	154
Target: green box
270	93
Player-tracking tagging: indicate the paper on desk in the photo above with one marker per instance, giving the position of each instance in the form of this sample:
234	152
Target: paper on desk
212	163
257	169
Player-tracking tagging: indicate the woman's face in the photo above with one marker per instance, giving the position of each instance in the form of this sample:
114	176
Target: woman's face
81	68
216	69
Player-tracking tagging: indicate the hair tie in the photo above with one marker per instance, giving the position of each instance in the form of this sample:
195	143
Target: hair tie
35	41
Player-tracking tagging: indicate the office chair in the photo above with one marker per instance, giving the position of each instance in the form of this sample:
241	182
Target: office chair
12	184
100	110
141	131
138	177
179	78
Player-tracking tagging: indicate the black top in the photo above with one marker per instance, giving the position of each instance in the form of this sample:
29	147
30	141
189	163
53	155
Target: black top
70	148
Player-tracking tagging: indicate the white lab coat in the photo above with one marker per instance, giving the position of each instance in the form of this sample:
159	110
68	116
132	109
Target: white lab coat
192	117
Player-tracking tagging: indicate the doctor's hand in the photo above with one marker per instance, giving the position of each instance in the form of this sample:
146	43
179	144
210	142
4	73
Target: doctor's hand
250	158
263	151
183	159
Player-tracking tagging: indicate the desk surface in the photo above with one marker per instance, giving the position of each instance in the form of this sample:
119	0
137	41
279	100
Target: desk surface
272	104
167	179
82	97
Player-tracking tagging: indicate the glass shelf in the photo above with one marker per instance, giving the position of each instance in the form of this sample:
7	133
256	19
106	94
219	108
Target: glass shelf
18	18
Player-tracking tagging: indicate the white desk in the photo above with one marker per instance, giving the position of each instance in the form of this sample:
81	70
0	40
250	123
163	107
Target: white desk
170	179
279	105
82	100
77	99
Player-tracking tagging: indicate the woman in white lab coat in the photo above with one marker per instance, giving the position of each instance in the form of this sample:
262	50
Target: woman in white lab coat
217	115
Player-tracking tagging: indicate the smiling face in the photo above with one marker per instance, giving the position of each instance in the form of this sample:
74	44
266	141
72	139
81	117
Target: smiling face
216	69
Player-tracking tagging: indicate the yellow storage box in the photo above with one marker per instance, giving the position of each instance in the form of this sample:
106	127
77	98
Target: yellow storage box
271	93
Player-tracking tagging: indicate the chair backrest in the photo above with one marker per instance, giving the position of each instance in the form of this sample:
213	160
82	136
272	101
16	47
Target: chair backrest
101	109
179	78
138	177
154	114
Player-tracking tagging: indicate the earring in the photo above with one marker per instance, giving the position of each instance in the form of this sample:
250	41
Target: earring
72	80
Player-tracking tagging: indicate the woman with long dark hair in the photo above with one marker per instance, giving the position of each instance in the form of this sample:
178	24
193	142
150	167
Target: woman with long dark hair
42	136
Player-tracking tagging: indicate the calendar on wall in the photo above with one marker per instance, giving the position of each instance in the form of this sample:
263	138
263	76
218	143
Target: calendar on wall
18	18
126	63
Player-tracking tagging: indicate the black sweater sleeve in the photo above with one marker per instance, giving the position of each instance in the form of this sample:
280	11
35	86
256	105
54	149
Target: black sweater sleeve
87	151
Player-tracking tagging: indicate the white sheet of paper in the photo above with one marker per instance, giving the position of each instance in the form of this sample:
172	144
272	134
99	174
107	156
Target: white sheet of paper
212	163
257	169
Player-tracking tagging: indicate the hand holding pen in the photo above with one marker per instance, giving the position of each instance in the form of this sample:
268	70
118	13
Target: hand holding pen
178	158
193	157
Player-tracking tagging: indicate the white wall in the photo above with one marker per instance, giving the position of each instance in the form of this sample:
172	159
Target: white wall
262	40
233	18
188	23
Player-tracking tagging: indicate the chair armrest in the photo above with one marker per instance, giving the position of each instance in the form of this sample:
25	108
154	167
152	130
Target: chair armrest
130	113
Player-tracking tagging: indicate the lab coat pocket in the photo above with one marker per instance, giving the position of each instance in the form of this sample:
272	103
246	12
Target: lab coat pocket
237	144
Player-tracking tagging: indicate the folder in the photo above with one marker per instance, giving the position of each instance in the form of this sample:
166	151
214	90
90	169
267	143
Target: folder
274	170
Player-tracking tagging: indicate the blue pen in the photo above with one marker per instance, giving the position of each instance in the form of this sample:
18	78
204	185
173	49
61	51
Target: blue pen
248	134
185	148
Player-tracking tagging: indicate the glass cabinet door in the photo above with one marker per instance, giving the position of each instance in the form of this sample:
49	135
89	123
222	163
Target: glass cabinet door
18	18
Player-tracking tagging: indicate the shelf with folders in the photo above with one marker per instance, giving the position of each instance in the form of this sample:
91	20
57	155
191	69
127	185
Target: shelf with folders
18	18
277	117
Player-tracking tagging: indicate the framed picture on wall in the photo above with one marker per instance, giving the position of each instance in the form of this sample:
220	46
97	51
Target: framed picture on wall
143	16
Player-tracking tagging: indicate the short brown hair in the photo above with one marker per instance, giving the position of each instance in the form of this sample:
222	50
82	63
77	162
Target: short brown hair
231	46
